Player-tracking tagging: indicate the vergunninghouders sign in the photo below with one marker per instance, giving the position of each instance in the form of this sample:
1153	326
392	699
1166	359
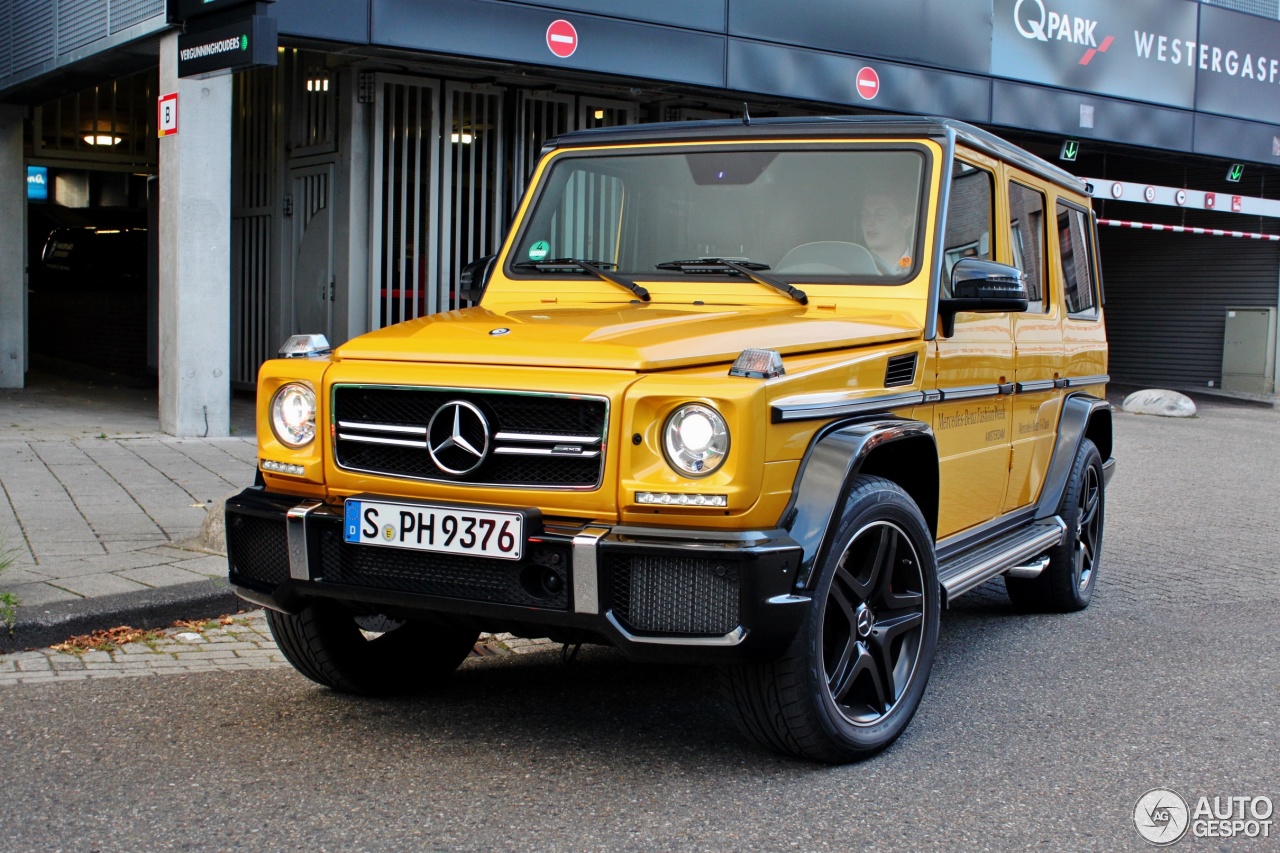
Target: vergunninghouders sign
243	44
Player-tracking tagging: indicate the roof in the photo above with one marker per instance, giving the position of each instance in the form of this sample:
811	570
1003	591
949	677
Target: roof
859	126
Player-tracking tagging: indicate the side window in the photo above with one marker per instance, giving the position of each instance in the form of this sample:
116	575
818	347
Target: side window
1026	239
1077	268
969	216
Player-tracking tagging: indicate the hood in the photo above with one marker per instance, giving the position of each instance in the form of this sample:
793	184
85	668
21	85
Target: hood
628	337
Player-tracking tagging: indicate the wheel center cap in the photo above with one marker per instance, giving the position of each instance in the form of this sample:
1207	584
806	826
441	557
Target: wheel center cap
864	621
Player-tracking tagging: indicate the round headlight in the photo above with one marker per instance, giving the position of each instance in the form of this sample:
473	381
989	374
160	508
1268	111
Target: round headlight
293	415
696	440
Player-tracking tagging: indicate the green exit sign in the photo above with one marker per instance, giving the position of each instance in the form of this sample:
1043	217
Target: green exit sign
1070	150
1235	173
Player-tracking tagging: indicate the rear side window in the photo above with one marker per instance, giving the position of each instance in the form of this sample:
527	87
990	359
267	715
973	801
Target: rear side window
1026	239
1078	282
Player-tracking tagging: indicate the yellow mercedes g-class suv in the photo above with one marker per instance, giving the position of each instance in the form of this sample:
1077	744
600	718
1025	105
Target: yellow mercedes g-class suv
761	394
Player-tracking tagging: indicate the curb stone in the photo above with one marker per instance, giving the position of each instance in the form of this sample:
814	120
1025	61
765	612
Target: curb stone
156	608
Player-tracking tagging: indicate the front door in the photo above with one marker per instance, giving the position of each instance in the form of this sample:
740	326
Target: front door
974	369
1039	351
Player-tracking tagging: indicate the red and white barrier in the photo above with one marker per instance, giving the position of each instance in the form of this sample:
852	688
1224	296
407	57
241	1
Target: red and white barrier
1189	229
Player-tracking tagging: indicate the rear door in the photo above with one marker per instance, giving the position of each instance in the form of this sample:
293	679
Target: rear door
1037	338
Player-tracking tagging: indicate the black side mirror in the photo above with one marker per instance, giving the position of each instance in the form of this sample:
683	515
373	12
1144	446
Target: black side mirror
983	286
474	278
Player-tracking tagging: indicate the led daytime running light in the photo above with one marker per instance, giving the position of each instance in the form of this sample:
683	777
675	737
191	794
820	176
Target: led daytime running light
681	499
282	467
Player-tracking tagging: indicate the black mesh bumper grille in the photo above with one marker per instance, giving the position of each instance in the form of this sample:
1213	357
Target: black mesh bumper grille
257	548
383	431
676	595
540	579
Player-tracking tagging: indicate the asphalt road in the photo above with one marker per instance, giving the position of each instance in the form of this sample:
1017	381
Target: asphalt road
1036	732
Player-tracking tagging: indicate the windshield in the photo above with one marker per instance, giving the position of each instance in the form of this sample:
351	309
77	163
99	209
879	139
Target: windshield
841	215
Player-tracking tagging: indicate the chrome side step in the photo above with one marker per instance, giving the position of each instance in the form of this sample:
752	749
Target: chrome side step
975	567
1029	570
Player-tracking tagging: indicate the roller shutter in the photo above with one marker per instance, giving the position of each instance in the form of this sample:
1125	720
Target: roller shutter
1166	300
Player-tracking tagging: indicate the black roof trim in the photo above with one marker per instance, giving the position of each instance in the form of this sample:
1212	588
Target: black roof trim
861	126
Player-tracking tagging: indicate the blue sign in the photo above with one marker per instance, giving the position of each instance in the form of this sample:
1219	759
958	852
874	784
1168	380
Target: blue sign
37	183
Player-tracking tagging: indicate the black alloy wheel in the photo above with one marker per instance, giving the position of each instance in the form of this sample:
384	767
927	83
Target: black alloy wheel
854	675
1067	584
1088	528
873	623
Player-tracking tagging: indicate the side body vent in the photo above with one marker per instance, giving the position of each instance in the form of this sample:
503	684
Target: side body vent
901	370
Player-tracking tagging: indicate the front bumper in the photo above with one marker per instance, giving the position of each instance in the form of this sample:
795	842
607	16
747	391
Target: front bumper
656	594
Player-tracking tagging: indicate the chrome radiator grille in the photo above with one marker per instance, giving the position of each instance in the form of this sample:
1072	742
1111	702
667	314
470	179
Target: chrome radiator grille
481	437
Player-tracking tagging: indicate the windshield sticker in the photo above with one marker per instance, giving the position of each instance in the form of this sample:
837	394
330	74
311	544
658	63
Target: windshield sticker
539	250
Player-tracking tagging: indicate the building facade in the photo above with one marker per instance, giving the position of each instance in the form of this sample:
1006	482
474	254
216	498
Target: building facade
343	188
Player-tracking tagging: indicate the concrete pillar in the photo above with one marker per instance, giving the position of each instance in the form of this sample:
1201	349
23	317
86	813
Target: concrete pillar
13	250
195	254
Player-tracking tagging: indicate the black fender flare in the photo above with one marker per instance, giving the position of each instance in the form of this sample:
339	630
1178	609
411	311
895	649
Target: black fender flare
826	475
1078	412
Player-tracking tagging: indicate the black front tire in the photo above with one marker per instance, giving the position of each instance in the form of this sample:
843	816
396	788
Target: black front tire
1067	584
855	674
325	643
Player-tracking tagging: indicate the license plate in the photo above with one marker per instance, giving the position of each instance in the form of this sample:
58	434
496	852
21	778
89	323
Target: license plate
443	529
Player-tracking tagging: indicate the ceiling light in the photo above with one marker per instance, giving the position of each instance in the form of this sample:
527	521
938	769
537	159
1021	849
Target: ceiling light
102	139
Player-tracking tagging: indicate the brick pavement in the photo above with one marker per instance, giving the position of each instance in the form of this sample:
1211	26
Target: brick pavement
243	642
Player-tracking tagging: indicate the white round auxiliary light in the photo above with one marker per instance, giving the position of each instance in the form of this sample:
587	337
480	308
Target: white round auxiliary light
695	440
293	415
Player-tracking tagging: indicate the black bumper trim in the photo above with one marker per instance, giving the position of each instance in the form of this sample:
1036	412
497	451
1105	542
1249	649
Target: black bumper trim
763	564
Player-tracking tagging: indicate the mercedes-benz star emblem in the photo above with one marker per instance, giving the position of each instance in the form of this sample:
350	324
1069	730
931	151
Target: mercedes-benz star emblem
865	620
458	437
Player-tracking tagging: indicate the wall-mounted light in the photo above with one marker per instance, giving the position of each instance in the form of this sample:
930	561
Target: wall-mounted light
317	84
102	139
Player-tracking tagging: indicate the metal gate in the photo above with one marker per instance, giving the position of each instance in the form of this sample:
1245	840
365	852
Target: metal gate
438	167
406	199
253	208
474	154
541	116
311	252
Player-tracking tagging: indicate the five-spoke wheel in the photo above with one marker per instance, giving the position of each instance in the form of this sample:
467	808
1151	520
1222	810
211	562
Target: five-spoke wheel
873	623
1068	582
855	673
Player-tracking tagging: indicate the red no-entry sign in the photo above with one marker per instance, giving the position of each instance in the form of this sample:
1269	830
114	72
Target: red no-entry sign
868	82
562	38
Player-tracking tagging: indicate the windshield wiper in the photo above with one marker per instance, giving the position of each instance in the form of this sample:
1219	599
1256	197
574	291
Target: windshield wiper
750	269
596	268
